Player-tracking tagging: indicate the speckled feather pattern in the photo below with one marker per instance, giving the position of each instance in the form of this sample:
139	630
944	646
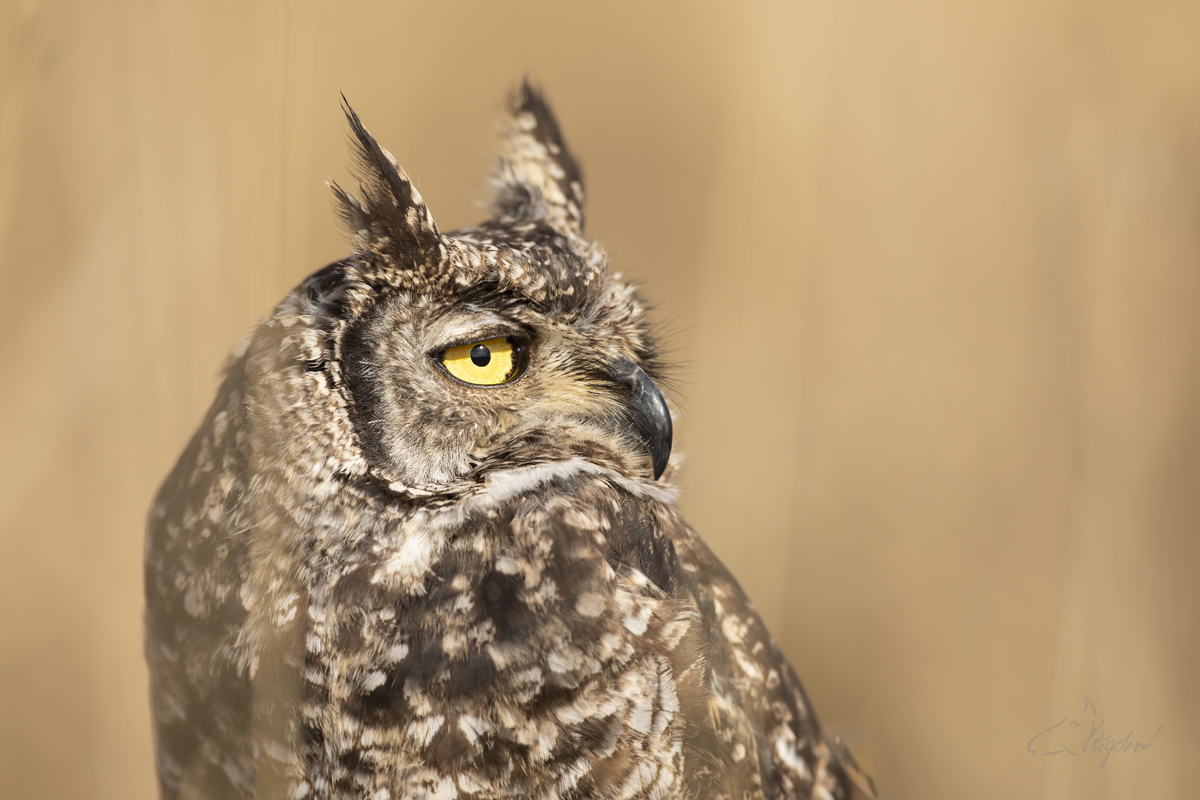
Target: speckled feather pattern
365	579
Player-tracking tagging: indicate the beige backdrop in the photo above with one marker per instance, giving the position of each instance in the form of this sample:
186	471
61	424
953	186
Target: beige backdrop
932	271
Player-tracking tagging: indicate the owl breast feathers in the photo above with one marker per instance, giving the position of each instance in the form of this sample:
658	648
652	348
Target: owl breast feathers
425	544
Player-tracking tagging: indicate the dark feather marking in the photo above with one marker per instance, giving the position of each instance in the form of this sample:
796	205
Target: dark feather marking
636	543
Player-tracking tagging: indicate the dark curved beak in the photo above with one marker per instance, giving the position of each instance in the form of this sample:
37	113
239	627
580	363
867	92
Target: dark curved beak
648	413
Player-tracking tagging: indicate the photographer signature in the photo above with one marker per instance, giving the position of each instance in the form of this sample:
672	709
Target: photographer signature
1097	740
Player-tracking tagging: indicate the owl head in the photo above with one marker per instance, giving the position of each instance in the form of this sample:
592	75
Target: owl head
429	359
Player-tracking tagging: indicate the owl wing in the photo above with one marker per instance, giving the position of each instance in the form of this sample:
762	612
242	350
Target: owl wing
194	573
760	734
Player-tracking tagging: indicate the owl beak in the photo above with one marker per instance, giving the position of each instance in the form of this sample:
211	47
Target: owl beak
648	413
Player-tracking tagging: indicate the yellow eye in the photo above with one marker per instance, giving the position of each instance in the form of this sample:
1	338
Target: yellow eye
488	363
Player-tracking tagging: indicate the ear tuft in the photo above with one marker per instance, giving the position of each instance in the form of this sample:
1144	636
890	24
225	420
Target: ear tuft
391	208
536	178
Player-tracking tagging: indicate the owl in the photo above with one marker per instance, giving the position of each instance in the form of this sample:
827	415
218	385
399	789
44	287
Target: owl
425	543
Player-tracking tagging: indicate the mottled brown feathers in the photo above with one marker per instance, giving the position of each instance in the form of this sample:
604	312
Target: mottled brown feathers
368	579
391	219
536	177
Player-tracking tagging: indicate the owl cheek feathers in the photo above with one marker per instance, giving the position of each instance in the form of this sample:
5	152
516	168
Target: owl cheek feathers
620	408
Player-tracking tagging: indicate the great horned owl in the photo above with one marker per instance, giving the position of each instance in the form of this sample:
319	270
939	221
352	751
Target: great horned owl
425	543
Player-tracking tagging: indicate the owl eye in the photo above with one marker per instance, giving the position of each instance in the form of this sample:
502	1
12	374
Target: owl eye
487	363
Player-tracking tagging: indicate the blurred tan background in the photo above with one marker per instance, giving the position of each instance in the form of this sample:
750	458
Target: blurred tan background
932	271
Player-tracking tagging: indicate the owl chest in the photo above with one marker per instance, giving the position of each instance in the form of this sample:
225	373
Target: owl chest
526	666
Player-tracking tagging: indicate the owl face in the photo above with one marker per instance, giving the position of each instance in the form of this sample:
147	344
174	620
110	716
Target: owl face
446	385
507	343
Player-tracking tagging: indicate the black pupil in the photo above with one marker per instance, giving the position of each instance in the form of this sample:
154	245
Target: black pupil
480	355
